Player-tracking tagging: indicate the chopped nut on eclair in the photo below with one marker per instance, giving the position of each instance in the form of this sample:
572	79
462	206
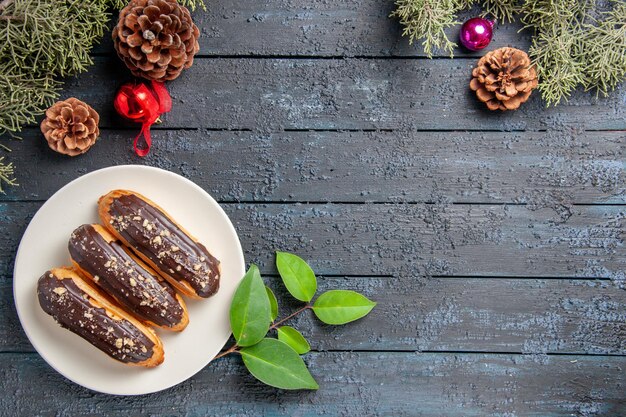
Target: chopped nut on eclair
99	256
81	308
160	242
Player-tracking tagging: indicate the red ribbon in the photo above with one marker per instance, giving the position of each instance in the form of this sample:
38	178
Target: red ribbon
143	102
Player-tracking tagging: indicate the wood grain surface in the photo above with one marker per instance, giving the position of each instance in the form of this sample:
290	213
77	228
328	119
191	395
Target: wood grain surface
269	94
541	169
352	384
492	242
532	316
416	240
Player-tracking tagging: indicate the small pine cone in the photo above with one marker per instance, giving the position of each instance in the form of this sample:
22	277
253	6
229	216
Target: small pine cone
71	127
504	79
156	39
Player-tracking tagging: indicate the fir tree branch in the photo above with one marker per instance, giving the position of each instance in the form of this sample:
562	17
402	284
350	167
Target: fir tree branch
60	34
23	96
559	73
427	20
604	51
550	14
502	10
6	174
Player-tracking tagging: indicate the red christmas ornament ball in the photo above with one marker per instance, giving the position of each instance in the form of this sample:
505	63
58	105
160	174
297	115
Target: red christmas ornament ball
476	33
142	102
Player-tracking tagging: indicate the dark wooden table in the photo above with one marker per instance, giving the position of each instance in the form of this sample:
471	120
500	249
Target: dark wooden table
493	242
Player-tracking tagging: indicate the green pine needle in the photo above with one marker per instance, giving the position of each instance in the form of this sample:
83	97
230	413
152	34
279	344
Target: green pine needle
502	10
427	20
42	41
23	96
548	14
603	49
6	174
559	74
51	37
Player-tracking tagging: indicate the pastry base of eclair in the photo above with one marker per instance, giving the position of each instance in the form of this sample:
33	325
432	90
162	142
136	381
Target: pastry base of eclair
130	289
93	314
181	285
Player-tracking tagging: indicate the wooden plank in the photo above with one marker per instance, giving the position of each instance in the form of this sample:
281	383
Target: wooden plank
477	315
446	314
439	239
414	240
338	28
271	95
538	168
317	27
351	384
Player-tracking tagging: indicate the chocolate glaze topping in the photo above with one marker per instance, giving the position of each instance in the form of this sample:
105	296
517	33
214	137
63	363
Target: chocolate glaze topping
118	274
72	308
149	231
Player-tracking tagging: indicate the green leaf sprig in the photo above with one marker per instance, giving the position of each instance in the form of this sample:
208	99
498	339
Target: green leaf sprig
253	311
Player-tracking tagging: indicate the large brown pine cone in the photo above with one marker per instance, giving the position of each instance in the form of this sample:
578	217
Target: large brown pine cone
71	127
504	79
156	39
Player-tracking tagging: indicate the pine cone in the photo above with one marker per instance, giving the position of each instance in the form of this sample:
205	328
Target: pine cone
70	127
156	39
504	79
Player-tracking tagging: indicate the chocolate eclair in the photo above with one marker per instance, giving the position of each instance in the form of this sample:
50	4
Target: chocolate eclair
135	286
83	309
160	242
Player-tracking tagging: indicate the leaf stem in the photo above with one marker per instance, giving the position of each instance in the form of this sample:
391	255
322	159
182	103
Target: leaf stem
295	313
235	348
232	349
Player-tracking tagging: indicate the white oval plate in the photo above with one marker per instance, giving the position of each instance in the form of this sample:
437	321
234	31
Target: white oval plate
44	245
